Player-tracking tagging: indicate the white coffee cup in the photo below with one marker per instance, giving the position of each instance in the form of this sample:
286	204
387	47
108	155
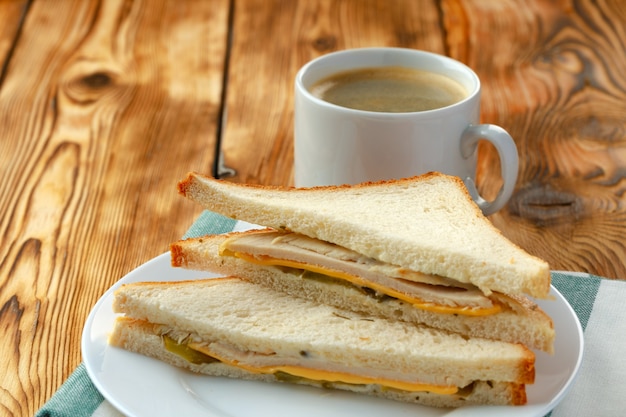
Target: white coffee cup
338	145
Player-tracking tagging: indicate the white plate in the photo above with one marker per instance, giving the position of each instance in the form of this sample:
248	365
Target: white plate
143	387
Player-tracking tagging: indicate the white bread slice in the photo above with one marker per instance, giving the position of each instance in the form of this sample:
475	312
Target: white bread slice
527	324
427	224
253	318
145	338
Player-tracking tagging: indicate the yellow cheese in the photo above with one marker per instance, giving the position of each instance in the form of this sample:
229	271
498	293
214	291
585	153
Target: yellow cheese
416	302
330	376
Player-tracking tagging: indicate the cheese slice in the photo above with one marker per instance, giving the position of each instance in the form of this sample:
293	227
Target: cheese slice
330	376
416	302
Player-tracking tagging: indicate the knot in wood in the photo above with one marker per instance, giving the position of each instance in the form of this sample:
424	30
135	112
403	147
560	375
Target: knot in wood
97	80
88	82
325	43
544	205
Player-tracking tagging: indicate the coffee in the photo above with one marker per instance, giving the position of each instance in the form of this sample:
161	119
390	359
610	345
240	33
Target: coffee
389	89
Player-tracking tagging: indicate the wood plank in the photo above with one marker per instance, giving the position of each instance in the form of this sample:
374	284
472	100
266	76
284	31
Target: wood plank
552	77
272	40
548	74
12	13
104	107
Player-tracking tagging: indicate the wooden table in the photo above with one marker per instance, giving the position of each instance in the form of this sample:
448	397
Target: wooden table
105	105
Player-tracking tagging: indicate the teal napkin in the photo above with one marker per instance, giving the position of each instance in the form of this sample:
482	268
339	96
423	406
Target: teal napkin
600	389
77	397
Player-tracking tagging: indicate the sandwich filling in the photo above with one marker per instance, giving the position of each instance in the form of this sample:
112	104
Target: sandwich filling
427	292
307	368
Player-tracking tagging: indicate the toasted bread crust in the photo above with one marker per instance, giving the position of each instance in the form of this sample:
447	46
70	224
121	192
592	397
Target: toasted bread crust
186	185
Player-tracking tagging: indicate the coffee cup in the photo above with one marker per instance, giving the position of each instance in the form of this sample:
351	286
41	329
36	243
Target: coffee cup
382	113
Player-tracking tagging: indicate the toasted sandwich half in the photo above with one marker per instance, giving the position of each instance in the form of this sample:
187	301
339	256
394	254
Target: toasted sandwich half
234	328
417	249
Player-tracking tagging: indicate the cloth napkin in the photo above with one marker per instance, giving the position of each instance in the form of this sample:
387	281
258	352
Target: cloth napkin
599	390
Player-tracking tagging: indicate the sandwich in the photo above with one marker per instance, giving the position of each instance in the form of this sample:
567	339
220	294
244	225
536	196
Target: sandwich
235	328
417	250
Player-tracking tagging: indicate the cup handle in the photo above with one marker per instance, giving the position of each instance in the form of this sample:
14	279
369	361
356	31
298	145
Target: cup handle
509	162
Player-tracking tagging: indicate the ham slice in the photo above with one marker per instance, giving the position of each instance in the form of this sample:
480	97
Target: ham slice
275	247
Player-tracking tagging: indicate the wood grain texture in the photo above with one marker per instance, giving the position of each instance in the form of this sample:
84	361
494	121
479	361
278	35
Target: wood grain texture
551	75
104	107
258	136
12	13
554	79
